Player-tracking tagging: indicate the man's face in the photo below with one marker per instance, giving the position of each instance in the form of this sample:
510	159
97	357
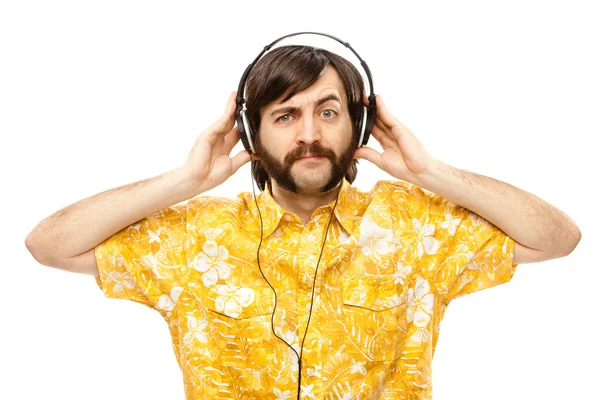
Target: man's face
314	122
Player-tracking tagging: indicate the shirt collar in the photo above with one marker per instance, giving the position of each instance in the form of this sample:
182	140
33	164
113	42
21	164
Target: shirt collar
271	212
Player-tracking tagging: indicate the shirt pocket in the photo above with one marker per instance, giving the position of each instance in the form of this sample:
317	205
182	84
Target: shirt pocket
374	315
239	322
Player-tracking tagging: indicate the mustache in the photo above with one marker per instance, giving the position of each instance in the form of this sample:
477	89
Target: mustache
315	149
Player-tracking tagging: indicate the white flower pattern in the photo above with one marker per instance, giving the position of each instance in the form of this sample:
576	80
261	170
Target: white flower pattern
211	261
420	303
401	273
450	223
393	259
427	243
233	299
195	330
374	239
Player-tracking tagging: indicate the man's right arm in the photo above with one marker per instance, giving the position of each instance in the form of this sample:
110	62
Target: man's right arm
67	238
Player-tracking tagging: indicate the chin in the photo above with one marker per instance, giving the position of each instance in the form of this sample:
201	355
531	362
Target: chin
310	190
311	185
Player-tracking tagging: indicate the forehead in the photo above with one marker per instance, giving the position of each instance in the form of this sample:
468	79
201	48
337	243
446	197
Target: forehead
328	82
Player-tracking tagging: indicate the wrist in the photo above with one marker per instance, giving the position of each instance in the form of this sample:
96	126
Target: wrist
429	178
181	186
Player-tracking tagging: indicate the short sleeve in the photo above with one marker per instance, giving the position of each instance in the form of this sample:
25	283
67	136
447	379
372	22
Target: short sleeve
147	261
460	251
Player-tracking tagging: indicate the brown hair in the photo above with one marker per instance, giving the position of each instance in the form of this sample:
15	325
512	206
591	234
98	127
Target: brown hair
292	69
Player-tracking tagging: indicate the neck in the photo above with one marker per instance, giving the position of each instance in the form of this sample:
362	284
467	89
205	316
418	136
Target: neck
301	205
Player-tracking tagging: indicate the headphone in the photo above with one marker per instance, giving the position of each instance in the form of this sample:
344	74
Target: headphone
365	126
366	123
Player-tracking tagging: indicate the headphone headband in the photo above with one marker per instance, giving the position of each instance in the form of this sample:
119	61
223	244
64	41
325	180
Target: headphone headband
368	118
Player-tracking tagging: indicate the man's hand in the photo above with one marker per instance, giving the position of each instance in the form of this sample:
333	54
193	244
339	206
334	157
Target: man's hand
209	163
546	231
403	157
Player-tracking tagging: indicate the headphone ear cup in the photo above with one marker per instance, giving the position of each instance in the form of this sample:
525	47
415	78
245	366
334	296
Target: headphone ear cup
362	125
369	128
371	116
245	131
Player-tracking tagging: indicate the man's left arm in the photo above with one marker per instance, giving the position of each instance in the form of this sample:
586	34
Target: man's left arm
540	231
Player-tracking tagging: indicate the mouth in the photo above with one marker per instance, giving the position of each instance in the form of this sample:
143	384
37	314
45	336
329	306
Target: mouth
309	155
306	158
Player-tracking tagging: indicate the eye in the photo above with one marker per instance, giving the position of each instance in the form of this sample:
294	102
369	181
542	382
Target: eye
329	113
283	118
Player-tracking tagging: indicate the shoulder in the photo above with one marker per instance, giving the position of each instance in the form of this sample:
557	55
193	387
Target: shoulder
412	200
402	188
213	209
208	203
403	192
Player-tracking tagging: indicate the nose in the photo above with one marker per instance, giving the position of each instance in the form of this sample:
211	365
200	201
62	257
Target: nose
308	131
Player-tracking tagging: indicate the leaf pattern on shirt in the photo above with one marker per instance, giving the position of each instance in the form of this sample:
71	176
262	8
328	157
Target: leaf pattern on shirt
394	258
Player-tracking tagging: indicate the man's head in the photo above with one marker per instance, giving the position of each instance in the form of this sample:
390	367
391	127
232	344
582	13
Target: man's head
303	100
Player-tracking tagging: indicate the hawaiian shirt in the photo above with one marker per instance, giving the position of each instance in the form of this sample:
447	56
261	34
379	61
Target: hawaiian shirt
393	259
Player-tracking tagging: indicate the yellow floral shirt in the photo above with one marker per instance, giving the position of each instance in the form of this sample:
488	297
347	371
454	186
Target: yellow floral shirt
393	260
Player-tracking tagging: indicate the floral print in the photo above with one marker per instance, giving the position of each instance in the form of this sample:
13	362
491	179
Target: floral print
420	303
211	261
394	258
232	299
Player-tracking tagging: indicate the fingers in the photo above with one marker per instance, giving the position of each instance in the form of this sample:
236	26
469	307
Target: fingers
384	120
394	132
231	139
240	159
365	99
380	133
387	133
227	119
224	124
383	113
369	154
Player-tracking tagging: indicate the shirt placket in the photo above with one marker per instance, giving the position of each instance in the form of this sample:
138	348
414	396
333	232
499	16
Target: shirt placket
309	250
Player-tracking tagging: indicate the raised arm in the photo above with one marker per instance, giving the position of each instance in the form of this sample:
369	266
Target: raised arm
66	239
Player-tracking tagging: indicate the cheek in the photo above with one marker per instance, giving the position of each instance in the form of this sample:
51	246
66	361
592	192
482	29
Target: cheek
275	150
280	147
342	144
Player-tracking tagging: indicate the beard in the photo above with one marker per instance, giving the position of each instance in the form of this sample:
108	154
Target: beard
281	172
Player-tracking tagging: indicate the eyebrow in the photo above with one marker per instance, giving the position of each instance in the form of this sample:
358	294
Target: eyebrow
292	109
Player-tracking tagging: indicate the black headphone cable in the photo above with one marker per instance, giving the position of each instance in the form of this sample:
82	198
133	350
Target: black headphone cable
314	280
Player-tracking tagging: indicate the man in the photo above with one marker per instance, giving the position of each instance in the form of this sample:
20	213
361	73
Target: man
355	284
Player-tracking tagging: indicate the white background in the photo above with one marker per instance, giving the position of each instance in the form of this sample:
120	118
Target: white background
95	95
